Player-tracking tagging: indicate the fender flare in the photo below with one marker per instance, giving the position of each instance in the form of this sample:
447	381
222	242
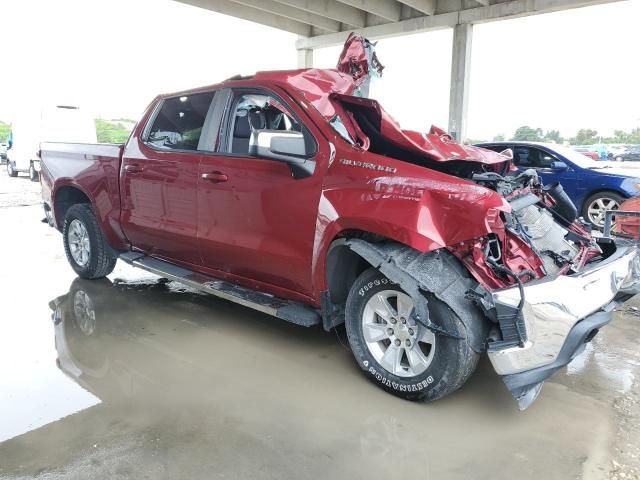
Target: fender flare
65	182
437	272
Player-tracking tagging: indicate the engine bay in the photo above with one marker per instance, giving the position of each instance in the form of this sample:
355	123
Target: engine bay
541	236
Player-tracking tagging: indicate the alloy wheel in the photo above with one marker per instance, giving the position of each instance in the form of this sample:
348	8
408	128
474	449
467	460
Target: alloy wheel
394	339
79	243
598	207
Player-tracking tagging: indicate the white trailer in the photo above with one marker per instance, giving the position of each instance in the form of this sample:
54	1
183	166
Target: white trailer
59	123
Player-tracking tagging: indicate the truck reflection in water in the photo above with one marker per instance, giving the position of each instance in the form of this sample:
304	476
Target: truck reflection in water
191	383
165	344
102	336
162	358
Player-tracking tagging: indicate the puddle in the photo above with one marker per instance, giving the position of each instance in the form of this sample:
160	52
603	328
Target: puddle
609	369
138	378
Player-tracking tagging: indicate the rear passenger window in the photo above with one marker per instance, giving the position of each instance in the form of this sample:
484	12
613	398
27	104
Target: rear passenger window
178	125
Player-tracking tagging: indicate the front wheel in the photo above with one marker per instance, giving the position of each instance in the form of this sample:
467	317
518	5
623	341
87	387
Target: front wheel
398	354
10	170
84	243
596	205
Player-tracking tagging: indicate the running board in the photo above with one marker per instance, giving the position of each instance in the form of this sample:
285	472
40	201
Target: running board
288	310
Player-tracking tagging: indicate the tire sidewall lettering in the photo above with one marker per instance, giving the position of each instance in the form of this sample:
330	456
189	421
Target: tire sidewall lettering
374	283
400	387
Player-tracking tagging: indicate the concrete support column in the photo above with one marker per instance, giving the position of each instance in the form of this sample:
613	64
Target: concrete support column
460	71
305	58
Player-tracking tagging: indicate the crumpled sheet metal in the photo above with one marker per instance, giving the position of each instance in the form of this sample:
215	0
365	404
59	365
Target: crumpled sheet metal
329	90
359	60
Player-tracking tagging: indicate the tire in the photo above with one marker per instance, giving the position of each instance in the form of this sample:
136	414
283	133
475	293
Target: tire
449	361
34	176
600	201
84	243
11	171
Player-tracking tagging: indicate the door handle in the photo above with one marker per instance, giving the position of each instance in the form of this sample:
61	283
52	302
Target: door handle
133	168
215	177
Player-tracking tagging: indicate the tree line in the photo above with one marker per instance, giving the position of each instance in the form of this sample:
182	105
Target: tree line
107	131
585	136
117	131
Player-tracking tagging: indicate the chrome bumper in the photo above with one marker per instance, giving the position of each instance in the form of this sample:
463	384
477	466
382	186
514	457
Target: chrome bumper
554	306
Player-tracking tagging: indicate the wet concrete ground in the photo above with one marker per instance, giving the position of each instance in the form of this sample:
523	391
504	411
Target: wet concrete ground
131	377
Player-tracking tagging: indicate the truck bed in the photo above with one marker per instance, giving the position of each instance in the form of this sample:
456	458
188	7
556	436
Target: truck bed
92	170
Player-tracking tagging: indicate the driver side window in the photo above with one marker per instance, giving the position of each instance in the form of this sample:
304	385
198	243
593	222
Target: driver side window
257	111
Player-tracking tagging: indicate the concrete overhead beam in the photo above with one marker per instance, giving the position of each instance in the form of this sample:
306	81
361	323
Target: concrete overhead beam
331	9
428	7
412	25
292	13
498	11
233	9
522	8
389	9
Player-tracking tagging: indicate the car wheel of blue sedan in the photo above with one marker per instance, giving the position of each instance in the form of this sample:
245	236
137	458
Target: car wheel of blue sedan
597	204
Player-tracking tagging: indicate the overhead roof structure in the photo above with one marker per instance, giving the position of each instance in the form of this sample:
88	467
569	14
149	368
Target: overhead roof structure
323	23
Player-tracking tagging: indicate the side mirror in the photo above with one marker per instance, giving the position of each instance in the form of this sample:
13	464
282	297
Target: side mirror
283	145
559	166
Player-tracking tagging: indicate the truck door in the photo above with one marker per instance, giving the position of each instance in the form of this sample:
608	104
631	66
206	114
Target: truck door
159	179
256	219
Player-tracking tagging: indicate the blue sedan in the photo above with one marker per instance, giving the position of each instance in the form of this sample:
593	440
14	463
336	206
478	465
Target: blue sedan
593	185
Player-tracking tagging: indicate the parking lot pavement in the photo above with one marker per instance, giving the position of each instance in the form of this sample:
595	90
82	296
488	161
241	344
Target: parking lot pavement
132	377
18	191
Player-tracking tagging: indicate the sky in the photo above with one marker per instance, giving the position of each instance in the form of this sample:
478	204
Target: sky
566	70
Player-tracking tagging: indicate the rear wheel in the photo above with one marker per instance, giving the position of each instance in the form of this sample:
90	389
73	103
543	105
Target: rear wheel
84	243
10	170
398	354
33	174
596	205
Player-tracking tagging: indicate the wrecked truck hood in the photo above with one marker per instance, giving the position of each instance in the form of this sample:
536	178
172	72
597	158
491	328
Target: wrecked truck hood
335	93
435	145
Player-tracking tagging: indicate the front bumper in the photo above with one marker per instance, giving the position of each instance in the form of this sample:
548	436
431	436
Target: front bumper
560	315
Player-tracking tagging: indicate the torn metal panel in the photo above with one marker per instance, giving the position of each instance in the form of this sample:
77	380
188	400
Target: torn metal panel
359	59
334	92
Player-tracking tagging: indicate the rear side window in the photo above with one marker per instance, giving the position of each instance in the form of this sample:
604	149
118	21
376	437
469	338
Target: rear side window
178	125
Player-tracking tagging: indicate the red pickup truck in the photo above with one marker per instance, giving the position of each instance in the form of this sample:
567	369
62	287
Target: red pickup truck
292	193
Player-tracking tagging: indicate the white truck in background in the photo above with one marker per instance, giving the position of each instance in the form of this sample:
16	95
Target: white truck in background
59	123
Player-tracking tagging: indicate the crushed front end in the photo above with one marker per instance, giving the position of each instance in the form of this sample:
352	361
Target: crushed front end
546	283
